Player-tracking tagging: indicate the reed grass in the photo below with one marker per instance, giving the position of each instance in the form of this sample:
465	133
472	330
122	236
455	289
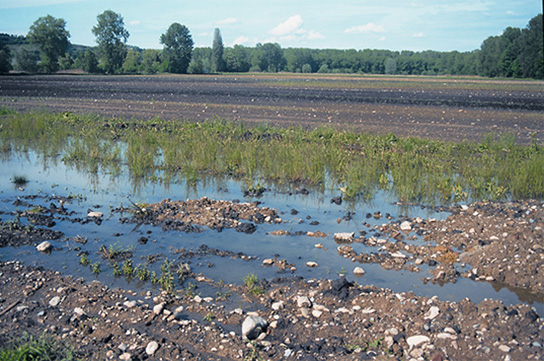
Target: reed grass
357	164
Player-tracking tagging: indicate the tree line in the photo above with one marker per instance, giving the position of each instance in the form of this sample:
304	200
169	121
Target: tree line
46	48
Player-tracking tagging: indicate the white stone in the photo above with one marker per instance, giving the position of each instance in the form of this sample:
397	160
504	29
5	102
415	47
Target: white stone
445	335
125	356
406	226
432	313
79	311
151	348
197	299
129	304
398	255
316	313
358	271
277	305
303	301
45	246
415	341
94	214
504	348
319	245
311	264
344	236
268	262
157	309
253	326
54	301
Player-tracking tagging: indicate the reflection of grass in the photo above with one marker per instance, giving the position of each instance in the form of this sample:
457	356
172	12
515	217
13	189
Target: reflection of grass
19	180
358	164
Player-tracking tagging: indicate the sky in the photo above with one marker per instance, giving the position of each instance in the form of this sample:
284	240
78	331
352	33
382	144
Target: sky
415	25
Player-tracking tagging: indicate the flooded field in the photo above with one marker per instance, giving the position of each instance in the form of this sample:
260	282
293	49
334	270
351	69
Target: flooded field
51	182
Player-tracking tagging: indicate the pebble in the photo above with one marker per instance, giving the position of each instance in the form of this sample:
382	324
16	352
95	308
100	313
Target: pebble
125	356
95	214
129	304
406	226
311	264
344	236
54	301
316	313
398	255
268	262
358	271
277	305
303	301
504	348
432	313
45	246
157	309
151	348
414	341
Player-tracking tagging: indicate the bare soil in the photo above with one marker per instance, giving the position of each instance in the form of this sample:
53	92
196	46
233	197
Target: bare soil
434	108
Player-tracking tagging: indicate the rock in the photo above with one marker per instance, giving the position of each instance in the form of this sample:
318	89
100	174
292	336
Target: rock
129	304
268	262
125	356
358	271
414	341
79	312
406	226
344	236
336	200
277	305
253	326
157	309
432	313
504	348
151	348
248	228
418	262
311	264
303	301
45	246
445	335
319	245
94	214
54	301
305	312
316	313
197	299
398	255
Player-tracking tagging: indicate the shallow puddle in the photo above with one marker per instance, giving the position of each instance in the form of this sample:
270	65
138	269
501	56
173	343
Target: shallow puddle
299	213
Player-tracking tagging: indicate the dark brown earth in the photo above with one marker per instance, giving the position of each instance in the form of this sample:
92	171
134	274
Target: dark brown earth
436	108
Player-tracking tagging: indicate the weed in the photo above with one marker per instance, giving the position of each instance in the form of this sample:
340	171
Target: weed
84	260
209	317
142	273
95	268
252	283
29	347
128	269
117	270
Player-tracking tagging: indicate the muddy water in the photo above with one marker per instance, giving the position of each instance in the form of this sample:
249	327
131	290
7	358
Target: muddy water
100	192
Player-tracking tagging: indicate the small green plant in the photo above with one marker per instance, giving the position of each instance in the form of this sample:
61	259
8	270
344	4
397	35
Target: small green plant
128	269
84	260
117	270
254	354
142	273
190	290
95	268
252	283
209	317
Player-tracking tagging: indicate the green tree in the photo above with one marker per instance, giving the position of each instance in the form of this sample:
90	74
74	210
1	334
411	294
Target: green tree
151	61
531	57
111	37
90	62
390	66
26	60
66	61
217	52
51	36
178	48
132	62
237	59
5	58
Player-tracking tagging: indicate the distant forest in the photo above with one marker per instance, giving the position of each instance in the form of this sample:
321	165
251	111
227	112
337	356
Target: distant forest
516	53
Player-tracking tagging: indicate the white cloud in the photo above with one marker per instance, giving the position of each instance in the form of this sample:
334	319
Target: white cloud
418	35
315	35
368	28
510	12
135	22
289	26
34	3
228	21
240	40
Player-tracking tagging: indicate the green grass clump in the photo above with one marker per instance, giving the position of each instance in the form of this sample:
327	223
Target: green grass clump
29	347
252	283
19	180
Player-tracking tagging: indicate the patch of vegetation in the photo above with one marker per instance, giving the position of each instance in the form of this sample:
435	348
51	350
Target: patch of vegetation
29	347
357	163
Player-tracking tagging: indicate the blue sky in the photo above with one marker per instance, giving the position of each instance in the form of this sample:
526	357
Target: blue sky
390	24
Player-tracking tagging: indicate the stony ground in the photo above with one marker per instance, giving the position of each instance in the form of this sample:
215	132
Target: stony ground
307	319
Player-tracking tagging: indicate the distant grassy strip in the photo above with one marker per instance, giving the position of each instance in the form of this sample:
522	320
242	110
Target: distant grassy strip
360	164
